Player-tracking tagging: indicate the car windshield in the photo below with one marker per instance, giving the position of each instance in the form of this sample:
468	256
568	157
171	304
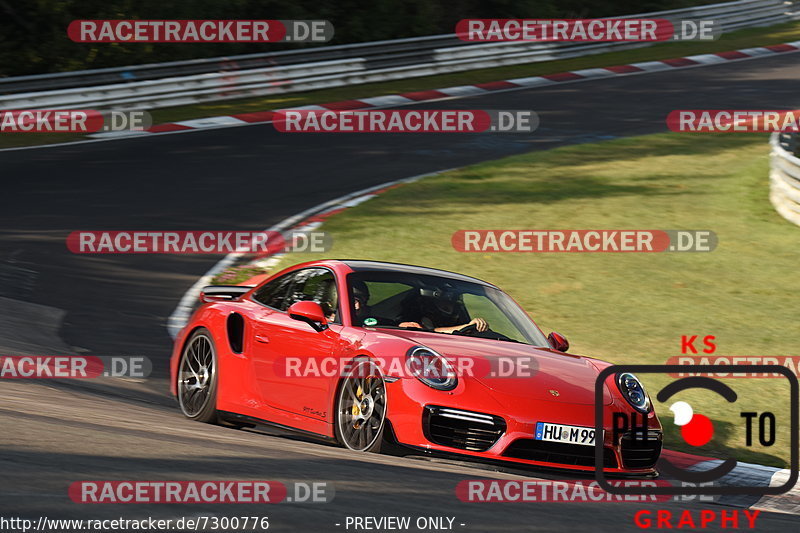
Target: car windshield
389	299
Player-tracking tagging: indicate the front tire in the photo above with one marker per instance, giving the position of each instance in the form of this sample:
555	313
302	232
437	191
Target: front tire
197	378
361	408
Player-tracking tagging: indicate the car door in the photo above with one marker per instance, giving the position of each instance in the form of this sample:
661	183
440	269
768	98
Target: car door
292	360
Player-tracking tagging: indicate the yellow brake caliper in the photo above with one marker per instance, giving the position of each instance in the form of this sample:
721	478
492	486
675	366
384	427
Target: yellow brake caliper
356	407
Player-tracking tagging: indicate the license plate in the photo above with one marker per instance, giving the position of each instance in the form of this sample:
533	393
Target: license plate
567	434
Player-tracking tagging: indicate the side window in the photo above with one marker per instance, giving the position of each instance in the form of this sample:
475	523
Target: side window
274	293
316	285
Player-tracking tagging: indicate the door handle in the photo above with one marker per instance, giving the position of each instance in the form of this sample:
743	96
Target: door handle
262	338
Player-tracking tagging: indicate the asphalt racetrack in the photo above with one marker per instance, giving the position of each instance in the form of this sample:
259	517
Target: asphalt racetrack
54	302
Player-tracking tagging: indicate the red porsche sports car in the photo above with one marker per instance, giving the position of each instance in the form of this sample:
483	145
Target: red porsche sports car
365	352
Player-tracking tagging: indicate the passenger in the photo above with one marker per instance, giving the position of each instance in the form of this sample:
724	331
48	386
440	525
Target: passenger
444	307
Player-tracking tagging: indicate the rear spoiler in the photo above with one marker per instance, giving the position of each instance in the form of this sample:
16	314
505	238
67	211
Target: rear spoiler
223	293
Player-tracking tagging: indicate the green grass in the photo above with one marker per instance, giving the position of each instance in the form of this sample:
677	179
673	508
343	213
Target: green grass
735	40
624	308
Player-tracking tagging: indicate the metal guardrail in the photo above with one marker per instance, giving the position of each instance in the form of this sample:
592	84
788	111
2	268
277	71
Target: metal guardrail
784	176
188	82
401	51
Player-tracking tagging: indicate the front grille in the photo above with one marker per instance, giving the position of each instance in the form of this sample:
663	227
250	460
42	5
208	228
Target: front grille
558	452
640	453
465	430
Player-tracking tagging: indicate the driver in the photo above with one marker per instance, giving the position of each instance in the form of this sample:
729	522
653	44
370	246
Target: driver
442	309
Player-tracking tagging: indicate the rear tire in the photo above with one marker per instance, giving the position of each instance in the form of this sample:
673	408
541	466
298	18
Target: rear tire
197	378
361	408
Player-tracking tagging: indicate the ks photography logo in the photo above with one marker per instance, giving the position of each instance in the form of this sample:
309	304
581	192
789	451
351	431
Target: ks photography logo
696	428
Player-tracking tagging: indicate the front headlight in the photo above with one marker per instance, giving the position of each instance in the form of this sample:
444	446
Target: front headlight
633	391
431	368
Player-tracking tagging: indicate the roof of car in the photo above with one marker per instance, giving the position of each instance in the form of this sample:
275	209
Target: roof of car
359	265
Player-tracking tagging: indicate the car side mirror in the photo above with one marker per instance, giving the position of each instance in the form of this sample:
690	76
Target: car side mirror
558	341
309	312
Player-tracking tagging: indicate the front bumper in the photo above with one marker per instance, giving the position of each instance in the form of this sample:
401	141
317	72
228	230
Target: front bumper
471	421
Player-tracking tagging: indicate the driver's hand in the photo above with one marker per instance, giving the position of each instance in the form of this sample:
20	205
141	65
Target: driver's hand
480	323
410	325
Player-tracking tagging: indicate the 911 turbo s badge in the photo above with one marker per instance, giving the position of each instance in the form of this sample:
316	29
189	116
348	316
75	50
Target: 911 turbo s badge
314	412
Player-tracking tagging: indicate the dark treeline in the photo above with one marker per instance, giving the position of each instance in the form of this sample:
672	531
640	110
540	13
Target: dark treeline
33	35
